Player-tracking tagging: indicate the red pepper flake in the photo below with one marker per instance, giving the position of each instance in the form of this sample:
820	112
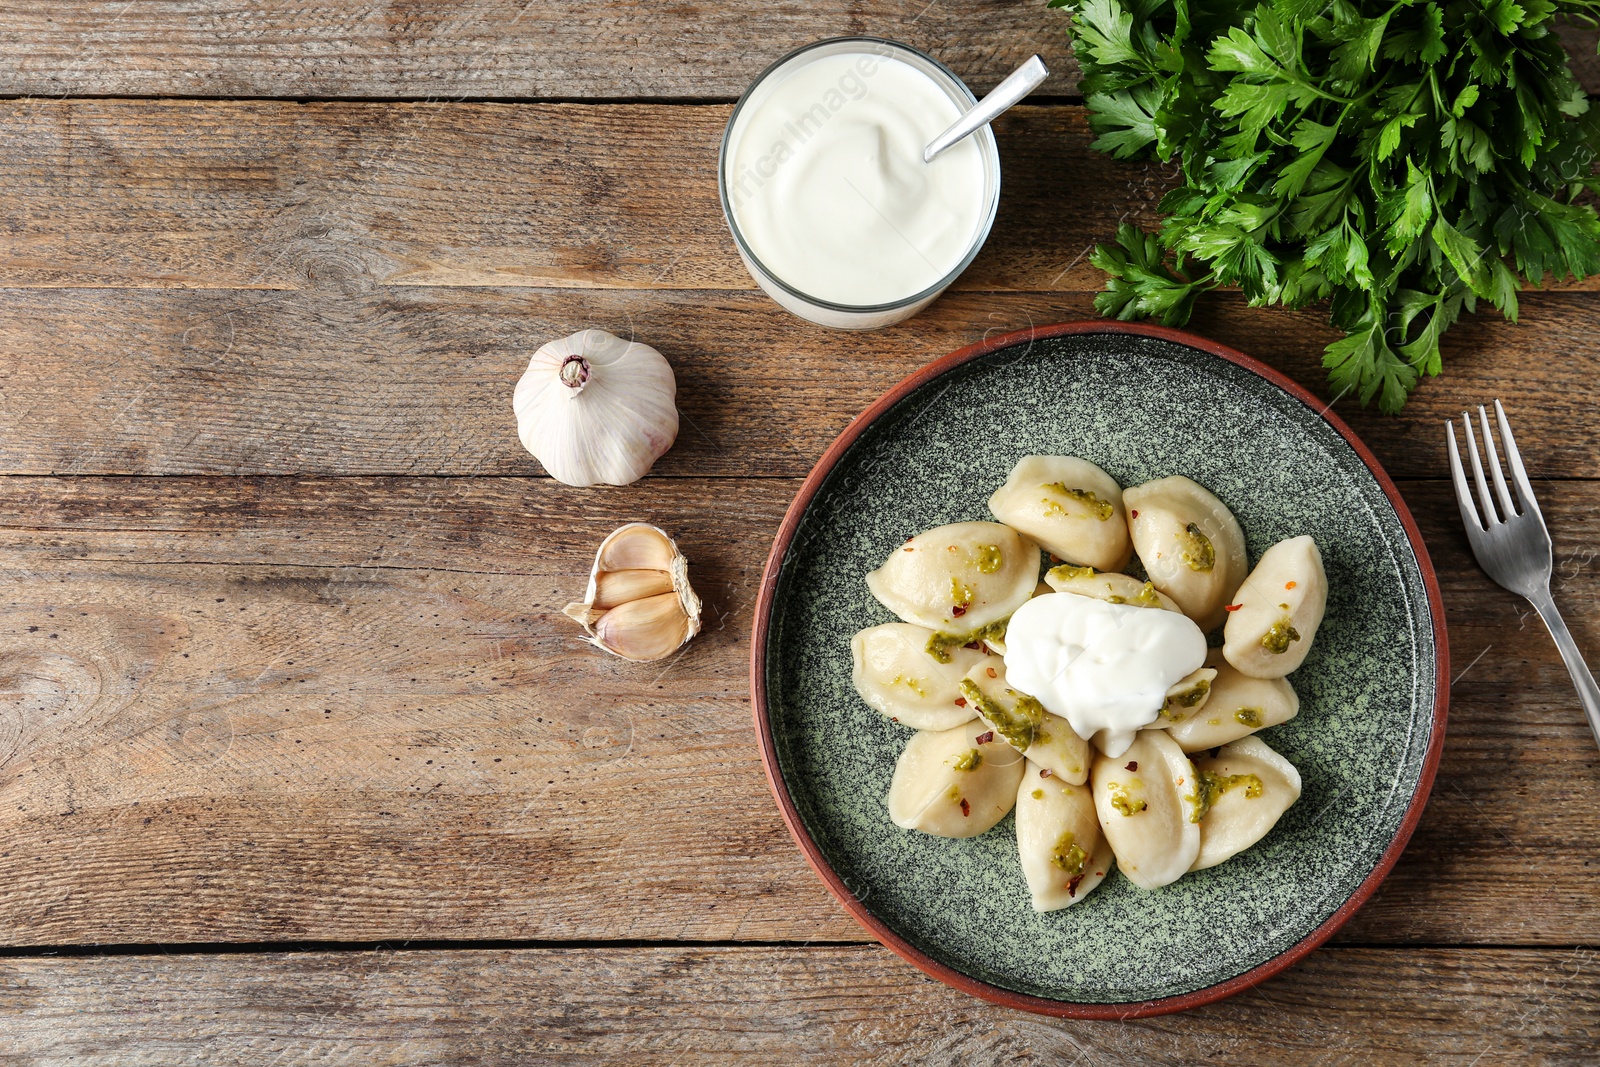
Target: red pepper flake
1099	874
908	550
1054	558
951	548
1046	772
1288	585
966	809
961	702
976	646
1133	765
1232	607
1133	514
958	611
893	719
1180	781
1072	886
990	671
985	737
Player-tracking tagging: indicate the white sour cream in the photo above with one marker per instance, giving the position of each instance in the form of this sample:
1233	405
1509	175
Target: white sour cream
1101	666
827	186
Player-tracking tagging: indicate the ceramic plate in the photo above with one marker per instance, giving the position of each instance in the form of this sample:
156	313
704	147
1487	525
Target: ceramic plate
1142	402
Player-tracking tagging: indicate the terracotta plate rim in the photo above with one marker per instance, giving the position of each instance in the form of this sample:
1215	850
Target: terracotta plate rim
894	941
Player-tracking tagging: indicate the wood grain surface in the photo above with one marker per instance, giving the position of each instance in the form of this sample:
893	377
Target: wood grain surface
396	320
348	196
272	709
818	1004
419	381
625	49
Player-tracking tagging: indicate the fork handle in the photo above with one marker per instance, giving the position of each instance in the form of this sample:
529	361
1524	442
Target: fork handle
1588	692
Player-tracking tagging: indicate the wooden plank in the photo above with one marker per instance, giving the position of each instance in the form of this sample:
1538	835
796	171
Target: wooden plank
480	48
419	381
349	709
483	49
342	197
276	195
814	1005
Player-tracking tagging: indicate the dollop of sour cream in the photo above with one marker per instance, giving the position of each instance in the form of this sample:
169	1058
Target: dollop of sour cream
827	185
1101	666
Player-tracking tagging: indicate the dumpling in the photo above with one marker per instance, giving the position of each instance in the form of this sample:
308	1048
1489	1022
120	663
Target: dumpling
1022	721
994	635
1185	698
1058	840
895	674
1279	609
1068	505
1110	587
1244	791
1190	544
950	785
1146	804
1238	705
959	578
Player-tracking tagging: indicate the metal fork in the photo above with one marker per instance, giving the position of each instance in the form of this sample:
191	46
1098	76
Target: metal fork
1513	547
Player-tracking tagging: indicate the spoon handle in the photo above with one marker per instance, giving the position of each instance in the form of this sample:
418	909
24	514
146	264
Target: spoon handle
1022	81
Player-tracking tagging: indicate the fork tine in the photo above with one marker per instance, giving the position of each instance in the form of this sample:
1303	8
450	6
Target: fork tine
1469	512
1504	494
1518	475
1484	500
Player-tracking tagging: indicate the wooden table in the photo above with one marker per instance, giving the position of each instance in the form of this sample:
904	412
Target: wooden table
299	759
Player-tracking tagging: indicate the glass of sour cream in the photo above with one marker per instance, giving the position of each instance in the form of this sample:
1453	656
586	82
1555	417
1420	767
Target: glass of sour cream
834	212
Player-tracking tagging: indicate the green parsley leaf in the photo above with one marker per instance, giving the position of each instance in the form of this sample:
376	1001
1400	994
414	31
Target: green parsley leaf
1125	121
1399	160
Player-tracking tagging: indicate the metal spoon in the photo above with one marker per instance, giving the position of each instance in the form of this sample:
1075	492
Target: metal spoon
1018	84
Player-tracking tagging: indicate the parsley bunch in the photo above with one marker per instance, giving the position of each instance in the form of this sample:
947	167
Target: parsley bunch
1400	159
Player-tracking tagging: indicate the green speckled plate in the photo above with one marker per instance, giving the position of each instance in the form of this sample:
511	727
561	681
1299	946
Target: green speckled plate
1142	402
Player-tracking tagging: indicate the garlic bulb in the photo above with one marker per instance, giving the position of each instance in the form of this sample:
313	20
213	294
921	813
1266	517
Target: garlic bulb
639	604
594	408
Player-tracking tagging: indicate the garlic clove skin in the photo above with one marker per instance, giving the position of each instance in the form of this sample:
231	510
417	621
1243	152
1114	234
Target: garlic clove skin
644	630
614	588
639	604
636	546
595	409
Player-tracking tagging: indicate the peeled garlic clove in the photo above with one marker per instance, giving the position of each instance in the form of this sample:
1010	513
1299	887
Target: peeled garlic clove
639	604
595	409
652	628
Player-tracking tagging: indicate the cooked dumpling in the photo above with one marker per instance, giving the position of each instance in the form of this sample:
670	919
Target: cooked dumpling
1279	609
1145	802
1244	790
1238	705
1190	544
948	784
994	637
1068	505
1110	587
1023	722
895	674
1058	840
959	578
1186	697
